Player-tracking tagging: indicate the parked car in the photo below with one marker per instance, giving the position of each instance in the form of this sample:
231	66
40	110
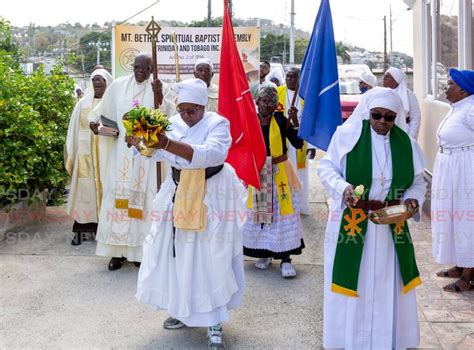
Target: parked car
349	75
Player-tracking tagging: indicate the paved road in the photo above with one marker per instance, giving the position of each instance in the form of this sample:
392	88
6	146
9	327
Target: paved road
56	295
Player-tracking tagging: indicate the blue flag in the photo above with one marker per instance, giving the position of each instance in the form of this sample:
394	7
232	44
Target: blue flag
319	83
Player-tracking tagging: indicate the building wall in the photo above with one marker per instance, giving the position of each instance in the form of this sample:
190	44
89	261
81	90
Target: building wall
432	111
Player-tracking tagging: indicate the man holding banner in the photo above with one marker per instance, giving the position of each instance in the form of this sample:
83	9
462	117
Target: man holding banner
290	103
130	184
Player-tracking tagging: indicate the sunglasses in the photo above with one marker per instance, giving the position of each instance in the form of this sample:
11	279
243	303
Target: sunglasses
189	111
386	117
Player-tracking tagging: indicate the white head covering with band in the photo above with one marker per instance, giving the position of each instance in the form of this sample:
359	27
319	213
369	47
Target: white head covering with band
191	91
369	79
204	61
380	97
104	74
402	88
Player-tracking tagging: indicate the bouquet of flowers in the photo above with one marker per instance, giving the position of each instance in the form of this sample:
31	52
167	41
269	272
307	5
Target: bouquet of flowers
147	124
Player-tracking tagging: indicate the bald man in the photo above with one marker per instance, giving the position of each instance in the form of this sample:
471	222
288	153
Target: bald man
130	183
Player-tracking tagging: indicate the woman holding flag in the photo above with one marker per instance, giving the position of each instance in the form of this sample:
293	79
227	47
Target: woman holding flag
273	229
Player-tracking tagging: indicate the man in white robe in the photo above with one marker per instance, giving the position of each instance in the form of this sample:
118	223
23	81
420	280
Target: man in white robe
128	182
286	95
394	78
83	161
382	313
204	70
192	259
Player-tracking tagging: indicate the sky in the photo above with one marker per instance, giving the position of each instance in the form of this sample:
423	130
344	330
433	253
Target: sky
356	22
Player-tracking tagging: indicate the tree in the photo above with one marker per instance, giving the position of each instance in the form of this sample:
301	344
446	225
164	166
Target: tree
34	116
87	49
343	52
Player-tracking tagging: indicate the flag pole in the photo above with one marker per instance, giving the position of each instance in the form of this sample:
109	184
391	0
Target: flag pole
176	57
153	29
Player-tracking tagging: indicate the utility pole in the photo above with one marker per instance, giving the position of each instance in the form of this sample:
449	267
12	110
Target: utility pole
385	60
209	20
391	23
292	33
98	51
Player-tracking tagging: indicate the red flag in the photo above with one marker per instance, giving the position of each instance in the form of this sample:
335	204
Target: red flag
247	153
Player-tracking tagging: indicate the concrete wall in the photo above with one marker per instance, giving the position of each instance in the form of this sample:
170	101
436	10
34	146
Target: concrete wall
432	111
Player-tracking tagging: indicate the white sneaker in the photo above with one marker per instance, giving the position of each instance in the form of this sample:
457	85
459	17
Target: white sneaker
263	263
215	338
287	270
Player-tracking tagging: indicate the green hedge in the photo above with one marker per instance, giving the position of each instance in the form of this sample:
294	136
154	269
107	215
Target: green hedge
34	116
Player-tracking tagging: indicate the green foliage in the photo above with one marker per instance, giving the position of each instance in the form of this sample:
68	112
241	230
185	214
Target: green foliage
34	116
343	52
86	51
272	46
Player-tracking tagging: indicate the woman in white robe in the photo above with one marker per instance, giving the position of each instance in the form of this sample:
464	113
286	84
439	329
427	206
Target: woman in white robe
381	317
196	274
453	185
83	161
394	78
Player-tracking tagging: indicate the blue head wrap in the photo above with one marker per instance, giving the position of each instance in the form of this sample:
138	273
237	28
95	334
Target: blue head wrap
464	79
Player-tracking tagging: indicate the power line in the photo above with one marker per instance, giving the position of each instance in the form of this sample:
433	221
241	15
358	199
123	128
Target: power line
110	28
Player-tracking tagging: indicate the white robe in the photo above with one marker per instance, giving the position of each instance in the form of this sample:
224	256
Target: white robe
117	234
82	164
452	207
415	115
213	94
205	278
381	317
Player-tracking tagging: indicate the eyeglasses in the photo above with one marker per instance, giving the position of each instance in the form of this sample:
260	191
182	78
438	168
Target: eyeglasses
188	111
386	117
142	67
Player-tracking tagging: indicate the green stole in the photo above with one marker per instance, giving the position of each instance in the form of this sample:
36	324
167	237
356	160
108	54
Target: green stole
345	275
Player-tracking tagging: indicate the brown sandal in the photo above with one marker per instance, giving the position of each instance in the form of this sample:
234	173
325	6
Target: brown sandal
456	288
453	272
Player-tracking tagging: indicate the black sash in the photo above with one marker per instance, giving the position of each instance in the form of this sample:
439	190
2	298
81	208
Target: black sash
209	172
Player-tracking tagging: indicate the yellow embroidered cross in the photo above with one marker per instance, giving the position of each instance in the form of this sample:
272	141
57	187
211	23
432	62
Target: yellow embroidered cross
399	227
357	216
138	182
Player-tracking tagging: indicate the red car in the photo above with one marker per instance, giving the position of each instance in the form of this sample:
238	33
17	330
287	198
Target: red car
348	104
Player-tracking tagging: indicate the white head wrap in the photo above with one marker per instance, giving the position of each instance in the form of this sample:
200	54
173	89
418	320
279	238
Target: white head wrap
191	91
77	87
380	97
369	79
204	61
274	74
104	74
401	89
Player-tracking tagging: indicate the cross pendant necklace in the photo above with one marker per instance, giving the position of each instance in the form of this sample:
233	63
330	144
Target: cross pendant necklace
382	170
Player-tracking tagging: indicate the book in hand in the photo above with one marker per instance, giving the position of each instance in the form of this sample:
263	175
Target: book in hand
108	127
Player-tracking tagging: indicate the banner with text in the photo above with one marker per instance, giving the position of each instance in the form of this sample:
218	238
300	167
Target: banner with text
192	43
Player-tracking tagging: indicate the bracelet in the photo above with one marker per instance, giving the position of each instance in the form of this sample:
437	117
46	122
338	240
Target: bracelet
167	144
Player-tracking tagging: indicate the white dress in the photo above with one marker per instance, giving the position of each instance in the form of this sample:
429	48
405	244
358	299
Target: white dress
452	216
82	164
205	278
381	317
